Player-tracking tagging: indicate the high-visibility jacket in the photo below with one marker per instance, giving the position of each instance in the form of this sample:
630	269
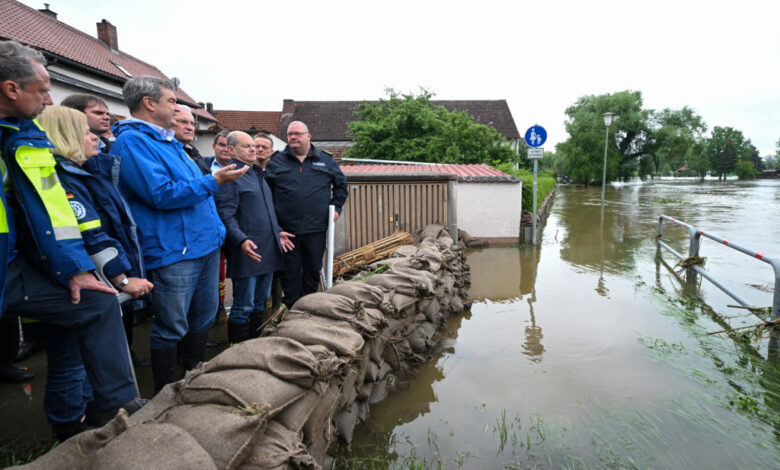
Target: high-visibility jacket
29	168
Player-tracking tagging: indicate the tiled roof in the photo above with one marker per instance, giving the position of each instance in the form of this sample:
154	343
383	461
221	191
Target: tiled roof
328	120
480	173
249	120
41	31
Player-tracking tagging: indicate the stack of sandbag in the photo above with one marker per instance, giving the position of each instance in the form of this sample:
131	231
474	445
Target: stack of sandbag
278	402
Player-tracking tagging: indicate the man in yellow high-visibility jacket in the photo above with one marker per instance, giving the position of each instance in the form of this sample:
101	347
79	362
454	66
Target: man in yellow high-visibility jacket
44	268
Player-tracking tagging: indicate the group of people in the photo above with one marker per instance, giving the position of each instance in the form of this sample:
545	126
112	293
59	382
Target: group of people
156	219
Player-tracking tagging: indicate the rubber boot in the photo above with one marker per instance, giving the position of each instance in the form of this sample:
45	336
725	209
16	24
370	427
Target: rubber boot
163	367
238	332
192	349
256	319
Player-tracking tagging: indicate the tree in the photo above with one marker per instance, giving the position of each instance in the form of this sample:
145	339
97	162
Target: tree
723	159
583	151
410	128
745	170
674	132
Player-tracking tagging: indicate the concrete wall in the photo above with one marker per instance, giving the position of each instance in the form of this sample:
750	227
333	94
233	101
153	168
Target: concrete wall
490	210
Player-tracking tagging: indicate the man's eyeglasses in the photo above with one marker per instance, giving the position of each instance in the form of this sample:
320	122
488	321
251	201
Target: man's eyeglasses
296	134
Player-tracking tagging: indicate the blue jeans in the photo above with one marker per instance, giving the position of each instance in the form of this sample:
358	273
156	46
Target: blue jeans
67	388
184	299
249	293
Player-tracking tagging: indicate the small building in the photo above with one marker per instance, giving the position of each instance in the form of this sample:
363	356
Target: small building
80	63
488	202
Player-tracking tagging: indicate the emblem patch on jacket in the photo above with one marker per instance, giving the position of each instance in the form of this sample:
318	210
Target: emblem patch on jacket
78	209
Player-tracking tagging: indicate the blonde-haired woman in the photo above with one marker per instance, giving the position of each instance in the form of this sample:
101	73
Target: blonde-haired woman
105	222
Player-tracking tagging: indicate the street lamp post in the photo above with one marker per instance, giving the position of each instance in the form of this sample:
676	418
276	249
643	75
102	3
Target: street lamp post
607	122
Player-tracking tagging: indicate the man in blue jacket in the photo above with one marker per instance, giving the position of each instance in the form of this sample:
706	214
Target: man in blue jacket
254	241
180	229
304	181
44	268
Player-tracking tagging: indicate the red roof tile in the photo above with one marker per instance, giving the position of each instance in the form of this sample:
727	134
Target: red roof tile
41	31
249	120
468	173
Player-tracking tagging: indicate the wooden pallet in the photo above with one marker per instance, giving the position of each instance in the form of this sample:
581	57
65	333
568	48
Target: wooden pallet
369	253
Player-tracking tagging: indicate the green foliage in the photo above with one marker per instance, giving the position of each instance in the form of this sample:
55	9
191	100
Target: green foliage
545	183
745	170
725	147
411	128
674	132
584	150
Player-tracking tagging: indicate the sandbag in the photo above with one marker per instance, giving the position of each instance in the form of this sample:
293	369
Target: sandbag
345	421
319	423
338	336
153	446
279	449
348	392
382	389
295	416
81	449
242	388
226	433
369	295
325	303
285	358
404	251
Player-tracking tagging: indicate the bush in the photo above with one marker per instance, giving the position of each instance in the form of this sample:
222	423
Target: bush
545	184
745	170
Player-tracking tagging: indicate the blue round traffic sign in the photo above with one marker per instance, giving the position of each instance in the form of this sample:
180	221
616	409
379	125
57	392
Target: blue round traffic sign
535	136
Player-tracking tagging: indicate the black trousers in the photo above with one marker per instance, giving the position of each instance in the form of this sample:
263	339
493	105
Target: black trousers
302	266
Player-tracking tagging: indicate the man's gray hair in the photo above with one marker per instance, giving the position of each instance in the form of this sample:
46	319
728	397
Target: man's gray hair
16	62
137	87
232	138
224	134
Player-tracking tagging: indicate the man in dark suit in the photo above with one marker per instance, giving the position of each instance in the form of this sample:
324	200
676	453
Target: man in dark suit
254	242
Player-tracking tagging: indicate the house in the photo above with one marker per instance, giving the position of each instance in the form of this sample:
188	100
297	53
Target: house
328	121
80	63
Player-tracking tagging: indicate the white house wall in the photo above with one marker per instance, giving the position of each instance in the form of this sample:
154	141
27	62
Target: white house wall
490	210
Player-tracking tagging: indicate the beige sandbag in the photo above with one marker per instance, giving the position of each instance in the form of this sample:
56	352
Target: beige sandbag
81	449
152	446
338	336
371	296
319	422
226	433
279	449
242	388
285	358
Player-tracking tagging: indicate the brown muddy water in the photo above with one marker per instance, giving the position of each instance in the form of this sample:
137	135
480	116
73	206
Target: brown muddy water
587	352
583	352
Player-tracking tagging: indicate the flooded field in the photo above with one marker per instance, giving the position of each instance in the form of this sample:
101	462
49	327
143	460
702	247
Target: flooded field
588	352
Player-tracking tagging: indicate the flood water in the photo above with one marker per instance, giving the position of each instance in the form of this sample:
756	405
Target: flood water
587	351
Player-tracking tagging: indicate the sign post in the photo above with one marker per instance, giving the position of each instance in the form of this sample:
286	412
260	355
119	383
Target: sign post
535	137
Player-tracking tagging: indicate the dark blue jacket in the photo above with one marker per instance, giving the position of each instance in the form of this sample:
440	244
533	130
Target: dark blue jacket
247	210
91	193
303	191
30	167
170	198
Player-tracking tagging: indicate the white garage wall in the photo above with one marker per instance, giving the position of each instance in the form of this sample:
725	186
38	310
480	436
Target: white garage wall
490	210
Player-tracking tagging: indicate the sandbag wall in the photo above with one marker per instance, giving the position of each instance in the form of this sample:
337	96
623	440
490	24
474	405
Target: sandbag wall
279	402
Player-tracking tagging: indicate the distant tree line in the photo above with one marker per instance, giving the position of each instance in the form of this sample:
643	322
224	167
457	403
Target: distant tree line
645	142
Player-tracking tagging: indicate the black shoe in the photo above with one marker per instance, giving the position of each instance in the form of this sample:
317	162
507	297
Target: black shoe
130	406
64	431
27	349
163	367
12	374
256	319
237	332
213	344
192	349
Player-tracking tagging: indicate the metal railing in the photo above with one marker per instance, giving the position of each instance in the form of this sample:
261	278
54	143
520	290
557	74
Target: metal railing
694	270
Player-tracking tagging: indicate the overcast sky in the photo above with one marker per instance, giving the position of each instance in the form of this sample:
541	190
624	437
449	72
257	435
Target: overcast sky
721	58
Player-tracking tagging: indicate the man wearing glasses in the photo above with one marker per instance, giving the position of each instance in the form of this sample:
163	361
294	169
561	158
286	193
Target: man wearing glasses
304	181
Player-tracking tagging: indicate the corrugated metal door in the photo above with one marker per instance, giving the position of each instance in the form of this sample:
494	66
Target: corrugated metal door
376	210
